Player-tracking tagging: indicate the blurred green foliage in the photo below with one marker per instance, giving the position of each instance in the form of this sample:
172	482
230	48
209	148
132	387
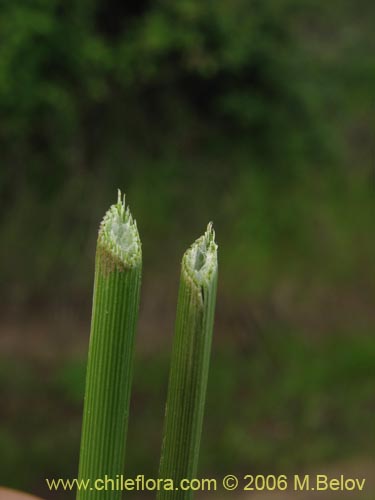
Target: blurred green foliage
311	404
256	114
71	72
232	103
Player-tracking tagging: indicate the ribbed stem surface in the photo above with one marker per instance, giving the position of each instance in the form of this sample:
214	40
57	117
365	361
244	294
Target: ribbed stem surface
110	359
189	365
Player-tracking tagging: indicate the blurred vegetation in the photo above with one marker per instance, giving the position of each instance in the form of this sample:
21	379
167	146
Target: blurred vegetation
301	411
245	112
256	114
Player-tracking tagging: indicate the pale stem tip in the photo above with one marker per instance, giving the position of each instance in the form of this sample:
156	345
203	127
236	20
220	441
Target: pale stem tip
201	258
118	232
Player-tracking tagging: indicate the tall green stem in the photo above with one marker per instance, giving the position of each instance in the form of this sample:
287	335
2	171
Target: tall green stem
110	360
189	365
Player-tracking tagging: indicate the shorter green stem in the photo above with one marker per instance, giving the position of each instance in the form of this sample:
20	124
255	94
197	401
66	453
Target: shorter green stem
189	365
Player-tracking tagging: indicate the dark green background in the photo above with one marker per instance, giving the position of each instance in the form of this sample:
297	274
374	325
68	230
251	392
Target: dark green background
258	115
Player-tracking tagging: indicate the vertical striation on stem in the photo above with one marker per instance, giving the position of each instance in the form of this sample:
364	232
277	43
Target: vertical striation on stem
189	365
117	283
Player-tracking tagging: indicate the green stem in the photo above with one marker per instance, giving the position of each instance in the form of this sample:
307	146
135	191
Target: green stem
189	365
110	360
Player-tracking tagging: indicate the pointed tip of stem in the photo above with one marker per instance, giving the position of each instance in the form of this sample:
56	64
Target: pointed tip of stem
200	260
118	234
